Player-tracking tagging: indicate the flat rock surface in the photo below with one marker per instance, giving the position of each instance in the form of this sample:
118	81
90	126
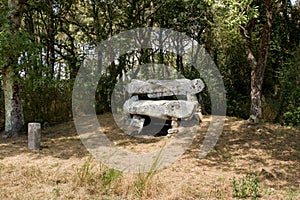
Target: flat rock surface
165	87
161	109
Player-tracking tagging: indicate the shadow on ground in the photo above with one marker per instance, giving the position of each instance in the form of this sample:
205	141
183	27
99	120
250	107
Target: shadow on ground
245	148
60	141
241	148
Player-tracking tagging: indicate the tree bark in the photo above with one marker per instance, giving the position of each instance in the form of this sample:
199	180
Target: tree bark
258	65
14	118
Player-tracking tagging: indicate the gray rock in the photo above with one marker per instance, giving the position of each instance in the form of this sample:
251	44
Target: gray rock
156	98
158	88
161	109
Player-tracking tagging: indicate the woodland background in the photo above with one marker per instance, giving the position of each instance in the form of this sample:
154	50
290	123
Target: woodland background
54	37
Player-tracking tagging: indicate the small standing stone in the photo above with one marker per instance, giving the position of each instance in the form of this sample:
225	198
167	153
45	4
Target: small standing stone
34	136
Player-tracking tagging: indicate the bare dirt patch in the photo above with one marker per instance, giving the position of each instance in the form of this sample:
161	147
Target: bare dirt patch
65	170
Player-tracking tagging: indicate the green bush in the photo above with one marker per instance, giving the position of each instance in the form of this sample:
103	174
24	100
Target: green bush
292	118
247	186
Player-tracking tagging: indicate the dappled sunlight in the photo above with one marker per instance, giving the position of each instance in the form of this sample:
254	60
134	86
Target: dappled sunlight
272	153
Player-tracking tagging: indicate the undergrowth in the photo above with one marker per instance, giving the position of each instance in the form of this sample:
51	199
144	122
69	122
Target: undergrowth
247	186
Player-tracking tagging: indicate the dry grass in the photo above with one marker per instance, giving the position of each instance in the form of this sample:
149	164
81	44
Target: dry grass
65	170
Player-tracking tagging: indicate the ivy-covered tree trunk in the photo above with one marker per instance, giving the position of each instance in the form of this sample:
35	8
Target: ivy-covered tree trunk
14	119
258	65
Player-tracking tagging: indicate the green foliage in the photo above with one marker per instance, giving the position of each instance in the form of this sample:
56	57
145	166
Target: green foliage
85	174
290	91
292	194
292	118
47	101
103	93
234	14
53	36
247	186
282	79
234	69
109	176
143	181
240	12
97	179
12	46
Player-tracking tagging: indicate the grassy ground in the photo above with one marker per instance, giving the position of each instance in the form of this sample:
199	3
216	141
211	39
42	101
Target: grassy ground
260	161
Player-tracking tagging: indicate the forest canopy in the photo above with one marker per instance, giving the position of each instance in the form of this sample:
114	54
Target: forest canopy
255	45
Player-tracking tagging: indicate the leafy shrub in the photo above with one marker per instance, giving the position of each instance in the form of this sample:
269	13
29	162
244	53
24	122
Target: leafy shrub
247	186
292	118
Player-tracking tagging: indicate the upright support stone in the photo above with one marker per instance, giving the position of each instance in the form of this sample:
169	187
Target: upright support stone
34	136
136	124
174	127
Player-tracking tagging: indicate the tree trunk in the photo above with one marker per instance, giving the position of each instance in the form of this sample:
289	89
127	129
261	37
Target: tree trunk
258	66
256	94
14	119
